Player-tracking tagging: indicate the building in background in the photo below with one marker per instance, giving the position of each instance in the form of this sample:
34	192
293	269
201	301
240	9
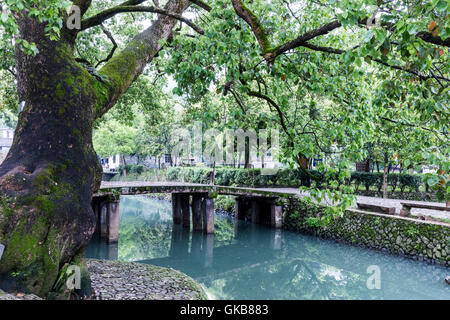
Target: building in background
6	140
110	164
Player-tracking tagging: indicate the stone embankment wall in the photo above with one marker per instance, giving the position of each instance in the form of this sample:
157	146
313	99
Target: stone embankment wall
413	238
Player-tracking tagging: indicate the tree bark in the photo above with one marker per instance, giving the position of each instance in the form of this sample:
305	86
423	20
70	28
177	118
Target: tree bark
51	171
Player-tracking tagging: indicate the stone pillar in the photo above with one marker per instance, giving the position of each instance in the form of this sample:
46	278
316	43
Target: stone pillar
241	208
238	210
256	211
197	200
276	216
185	210
176	211
208	215
113	221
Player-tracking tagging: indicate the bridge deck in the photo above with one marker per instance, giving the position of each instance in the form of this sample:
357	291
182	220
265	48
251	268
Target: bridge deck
137	187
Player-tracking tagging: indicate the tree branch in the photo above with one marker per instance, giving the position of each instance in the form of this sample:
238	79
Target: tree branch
339	52
126	66
275	105
325	29
114	48
83	5
428	37
270	54
109	13
252	20
132	2
202	5
414	126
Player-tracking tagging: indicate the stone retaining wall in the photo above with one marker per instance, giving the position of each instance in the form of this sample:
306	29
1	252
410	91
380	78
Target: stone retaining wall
416	239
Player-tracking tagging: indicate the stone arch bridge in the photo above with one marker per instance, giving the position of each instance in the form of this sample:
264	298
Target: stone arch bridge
262	206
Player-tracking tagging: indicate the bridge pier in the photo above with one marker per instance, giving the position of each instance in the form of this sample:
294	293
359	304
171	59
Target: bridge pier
113	221
107	214
176	211
241	208
256	211
202	211
259	210
197	212
185	210
208	215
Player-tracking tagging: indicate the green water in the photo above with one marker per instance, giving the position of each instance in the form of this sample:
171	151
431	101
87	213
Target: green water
246	261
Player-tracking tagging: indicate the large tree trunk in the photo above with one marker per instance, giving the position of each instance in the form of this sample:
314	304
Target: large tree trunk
51	171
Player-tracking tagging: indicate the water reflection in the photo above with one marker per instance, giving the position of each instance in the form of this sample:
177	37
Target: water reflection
247	261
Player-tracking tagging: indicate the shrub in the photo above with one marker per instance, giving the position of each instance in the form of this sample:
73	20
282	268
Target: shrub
392	180
173	173
412	181
136	169
288	178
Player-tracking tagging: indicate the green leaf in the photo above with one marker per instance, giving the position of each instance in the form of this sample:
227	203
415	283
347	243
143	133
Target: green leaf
442	5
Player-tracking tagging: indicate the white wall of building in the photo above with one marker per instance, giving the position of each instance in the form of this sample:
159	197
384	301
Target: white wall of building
111	163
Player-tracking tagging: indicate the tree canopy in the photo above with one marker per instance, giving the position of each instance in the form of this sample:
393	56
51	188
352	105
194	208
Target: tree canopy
332	76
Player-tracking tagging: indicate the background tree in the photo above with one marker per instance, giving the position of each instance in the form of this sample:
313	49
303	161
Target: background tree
113	139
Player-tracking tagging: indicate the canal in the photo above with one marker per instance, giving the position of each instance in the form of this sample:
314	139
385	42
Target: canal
247	261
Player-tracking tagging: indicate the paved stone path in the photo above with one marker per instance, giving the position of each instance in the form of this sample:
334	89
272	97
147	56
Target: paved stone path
117	280
114	280
17	296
